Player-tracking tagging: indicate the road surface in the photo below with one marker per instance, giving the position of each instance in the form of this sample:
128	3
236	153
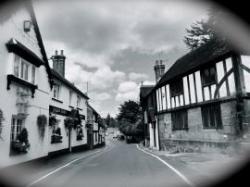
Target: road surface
120	165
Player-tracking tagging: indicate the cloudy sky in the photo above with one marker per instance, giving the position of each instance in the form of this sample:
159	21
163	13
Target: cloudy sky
113	45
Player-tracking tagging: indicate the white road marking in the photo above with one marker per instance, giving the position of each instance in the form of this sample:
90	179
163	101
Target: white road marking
64	166
168	165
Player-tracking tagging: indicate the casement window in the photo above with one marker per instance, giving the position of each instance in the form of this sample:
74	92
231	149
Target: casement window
211	116
24	70
179	120
176	93
78	102
33	75
56	91
16	127
208	76
176	88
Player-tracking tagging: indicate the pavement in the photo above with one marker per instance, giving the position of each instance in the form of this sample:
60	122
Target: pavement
118	165
204	168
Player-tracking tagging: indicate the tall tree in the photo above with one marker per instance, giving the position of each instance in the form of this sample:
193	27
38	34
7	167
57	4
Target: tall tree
129	118
204	31
129	111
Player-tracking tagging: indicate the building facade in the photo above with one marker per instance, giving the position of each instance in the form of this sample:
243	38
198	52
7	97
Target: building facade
204	97
68	111
41	112
25	86
96	129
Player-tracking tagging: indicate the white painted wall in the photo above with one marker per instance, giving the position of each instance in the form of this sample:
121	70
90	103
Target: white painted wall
13	28
64	98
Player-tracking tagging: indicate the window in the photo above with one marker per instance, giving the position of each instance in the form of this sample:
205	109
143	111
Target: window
179	120
16	127
208	76
70	97
16	65
78	103
176	88
33	75
22	69
211	116
56	90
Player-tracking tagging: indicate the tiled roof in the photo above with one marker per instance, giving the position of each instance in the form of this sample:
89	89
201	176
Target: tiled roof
205	54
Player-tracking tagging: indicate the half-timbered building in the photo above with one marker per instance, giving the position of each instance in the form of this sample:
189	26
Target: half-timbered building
204	96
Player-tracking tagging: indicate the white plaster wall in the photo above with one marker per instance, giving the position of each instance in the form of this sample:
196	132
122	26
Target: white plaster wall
64	97
13	28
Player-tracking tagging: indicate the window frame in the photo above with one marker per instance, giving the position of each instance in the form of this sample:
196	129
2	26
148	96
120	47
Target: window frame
24	70
213	80
56	85
175	118
16	127
211	116
173	87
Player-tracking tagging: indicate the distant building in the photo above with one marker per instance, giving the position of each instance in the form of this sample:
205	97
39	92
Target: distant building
25	86
96	129
204	97
148	104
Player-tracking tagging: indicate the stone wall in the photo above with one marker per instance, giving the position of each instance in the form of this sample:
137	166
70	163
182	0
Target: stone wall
196	132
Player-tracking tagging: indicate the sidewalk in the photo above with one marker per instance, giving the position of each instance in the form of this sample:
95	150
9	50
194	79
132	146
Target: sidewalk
26	173
202	168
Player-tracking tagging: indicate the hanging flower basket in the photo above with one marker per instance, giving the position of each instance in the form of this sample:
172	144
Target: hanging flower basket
69	123
41	122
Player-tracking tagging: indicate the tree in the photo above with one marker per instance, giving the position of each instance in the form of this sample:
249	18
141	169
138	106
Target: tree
204	31
129	111
130	118
110	121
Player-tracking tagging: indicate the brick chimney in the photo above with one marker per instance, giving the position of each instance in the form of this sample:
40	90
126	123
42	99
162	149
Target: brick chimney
59	63
159	69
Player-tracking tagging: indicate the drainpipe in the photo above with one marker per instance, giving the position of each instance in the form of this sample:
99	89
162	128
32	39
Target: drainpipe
70	146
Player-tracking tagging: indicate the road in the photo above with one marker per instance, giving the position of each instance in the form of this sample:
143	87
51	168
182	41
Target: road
119	165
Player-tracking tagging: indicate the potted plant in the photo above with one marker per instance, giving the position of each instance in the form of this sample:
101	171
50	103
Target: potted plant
41	122
21	145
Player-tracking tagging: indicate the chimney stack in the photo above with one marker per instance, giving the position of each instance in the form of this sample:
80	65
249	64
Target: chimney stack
159	69
59	63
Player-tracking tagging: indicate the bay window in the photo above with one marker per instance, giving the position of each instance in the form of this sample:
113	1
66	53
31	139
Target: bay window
24	70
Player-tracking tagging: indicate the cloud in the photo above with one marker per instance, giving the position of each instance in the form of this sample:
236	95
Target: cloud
101	96
137	76
128	90
113	44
